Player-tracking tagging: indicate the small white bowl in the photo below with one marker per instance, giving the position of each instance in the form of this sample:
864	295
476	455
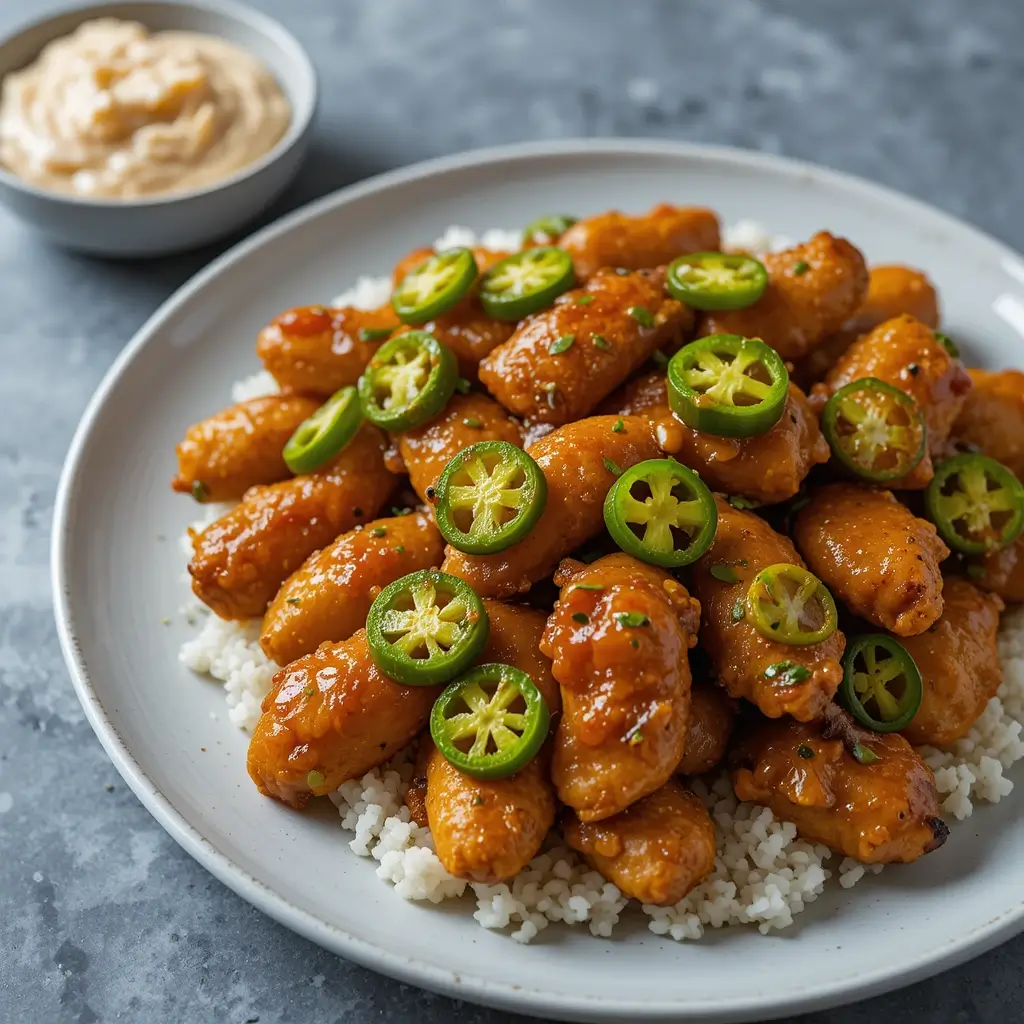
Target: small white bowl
158	225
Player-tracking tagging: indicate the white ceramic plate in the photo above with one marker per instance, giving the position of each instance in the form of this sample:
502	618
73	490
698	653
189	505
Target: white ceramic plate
115	579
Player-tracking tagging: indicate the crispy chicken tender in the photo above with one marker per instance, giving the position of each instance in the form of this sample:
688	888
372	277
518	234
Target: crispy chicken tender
319	350
877	813
959	663
466	420
610	335
893	290
905	353
655	851
625	679
488	831
746	544
242	559
575	460
992	417
813	289
712	716
651	239
1002	572
768	467
874	554
331	716
224	455
327	598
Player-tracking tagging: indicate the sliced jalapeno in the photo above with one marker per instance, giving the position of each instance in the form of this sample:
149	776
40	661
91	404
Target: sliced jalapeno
791	605
881	684
491	722
489	496
976	504
547	229
434	286
717	280
318	439
525	282
426	628
875	430
728	385
661	512
408	381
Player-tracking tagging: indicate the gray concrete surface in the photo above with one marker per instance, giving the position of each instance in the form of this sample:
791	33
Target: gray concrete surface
103	917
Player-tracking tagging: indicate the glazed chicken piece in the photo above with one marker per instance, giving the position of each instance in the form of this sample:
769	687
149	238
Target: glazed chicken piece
767	468
319	350
488	831
874	554
893	290
466	420
651	239
746	662
655	851
1002	572
813	289
327	598
618	639
627	319
241	560
882	812
331	716
959	664
907	354
224	455
709	729
575	461
992	418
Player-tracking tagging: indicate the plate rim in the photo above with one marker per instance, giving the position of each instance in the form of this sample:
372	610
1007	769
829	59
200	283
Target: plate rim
450	981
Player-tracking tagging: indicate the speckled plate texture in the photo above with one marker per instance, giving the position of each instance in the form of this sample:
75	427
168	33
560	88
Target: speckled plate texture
117	573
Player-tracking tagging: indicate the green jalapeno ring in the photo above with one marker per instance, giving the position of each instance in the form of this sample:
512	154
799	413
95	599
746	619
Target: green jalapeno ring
547	228
962	492
728	385
435	286
407	381
489	497
526	282
658	505
858	423
426	628
869	694
323	435
716	280
491	722
782	597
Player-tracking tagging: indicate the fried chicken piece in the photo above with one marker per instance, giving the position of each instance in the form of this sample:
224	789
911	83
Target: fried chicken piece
709	729
992	418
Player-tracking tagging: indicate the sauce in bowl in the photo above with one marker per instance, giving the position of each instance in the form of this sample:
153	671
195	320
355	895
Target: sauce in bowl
115	112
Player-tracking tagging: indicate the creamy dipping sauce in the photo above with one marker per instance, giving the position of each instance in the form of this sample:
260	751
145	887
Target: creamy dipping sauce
113	111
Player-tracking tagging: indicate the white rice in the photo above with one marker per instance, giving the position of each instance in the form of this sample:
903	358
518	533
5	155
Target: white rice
764	875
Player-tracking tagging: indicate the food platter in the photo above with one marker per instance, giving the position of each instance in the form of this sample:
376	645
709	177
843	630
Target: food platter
117	571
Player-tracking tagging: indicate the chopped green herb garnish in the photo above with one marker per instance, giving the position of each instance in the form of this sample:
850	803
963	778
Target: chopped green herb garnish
462	386
623	271
800	268
562	344
613	467
641	315
584	300
632	620
395	511
309	691
315	778
619	427
723	572
400	549
805	751
865	755
374	333
948	344
472	421
199	491
743	504
634	643
478	801
739	609
660	360
587	586
976	572
581	617
601	342
378	531
293	600
635	738
787	673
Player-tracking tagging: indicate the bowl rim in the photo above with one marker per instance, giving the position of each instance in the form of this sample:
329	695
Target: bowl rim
271	28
